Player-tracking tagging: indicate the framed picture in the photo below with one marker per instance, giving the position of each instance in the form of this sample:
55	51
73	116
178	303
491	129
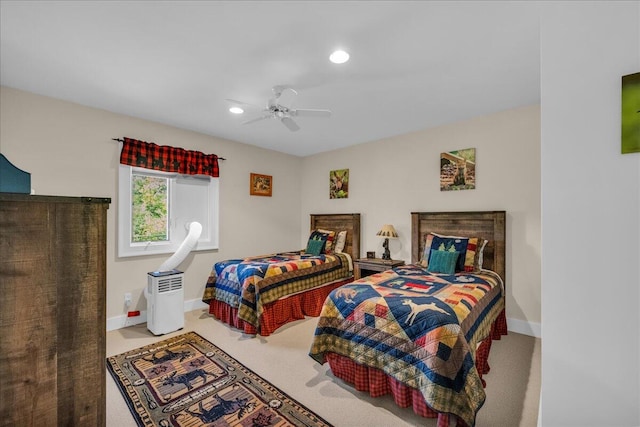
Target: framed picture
339	184
260	185
458	170
630	134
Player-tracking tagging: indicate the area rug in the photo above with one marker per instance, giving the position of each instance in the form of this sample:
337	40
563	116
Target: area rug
186	381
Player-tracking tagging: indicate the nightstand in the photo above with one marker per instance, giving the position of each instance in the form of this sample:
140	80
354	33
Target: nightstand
366	266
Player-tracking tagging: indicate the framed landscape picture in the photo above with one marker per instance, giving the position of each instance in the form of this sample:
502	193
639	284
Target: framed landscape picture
260	185
458	170
630	134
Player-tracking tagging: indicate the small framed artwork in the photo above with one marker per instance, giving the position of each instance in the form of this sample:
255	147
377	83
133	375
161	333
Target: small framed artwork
339	184
260	185
371	255
631	113
458	170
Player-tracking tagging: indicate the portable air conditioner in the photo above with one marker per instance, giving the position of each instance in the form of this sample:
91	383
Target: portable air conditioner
165	301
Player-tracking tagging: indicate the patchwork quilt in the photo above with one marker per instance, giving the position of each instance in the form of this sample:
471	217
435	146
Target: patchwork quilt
418	327
250	283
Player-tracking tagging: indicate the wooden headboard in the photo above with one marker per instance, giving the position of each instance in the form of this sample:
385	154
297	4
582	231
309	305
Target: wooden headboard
339	222
489	225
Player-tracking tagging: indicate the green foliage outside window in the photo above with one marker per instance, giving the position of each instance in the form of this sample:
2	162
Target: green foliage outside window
149	209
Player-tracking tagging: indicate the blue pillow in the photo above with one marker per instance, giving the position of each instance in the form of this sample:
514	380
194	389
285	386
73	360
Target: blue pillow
319	235
443	262
445	243
315	247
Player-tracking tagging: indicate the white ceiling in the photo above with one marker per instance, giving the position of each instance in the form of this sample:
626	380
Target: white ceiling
414	65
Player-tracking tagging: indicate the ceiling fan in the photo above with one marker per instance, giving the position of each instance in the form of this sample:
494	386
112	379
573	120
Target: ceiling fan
281	107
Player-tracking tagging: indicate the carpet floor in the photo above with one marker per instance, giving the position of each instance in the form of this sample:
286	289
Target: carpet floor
513	385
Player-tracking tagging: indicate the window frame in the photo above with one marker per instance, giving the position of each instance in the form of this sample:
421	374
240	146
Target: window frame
197	188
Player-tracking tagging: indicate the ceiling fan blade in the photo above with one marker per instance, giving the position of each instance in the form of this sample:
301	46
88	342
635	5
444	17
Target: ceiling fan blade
257	119
287	98
311	113
235	101
289	123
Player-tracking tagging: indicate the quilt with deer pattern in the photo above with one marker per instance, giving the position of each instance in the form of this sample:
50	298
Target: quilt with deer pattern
419	328
250	283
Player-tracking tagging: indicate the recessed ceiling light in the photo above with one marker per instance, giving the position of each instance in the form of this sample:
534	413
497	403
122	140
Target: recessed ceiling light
236	110
339	57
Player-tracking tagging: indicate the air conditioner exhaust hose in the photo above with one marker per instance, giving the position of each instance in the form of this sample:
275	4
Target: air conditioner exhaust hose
195	229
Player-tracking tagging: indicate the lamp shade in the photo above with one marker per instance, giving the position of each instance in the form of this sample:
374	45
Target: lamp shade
388	231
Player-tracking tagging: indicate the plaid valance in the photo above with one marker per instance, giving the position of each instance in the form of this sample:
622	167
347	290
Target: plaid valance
168	159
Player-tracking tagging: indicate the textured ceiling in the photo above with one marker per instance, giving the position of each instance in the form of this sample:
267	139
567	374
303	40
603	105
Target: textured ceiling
414	65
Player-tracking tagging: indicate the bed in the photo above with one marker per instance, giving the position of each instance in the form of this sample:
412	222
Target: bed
423	332
262	293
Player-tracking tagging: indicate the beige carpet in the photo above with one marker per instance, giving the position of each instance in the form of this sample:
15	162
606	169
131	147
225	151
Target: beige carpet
513	385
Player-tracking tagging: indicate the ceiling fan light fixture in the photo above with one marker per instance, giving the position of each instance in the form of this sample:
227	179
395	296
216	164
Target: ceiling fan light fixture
236	110
339	57
281	108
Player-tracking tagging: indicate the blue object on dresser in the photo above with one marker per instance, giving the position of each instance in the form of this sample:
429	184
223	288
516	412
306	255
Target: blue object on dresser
12	179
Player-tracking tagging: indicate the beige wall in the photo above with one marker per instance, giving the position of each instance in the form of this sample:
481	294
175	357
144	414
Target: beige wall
388	180
590	217
68	150
391	178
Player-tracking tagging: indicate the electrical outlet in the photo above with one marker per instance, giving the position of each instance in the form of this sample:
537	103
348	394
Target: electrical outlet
127	299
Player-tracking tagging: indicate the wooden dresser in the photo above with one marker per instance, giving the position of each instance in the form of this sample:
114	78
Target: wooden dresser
52	310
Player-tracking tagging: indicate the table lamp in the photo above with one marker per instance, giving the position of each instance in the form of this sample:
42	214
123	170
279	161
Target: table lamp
387	231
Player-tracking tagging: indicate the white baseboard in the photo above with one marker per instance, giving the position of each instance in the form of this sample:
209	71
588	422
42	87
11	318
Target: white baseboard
524	328
540	411
123	321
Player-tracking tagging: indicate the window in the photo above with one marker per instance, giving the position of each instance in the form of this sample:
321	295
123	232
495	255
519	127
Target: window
156	208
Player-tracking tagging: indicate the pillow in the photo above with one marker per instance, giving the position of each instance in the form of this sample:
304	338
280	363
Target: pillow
315	246
446	243
326	237
443	261
475	264
329	237
424	261
479	255
471	257
340	241
466	246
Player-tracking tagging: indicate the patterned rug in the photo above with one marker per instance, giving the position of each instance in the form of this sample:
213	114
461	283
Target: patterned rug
187	381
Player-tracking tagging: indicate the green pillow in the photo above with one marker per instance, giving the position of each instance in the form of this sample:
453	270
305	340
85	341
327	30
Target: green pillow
314	247
443	262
